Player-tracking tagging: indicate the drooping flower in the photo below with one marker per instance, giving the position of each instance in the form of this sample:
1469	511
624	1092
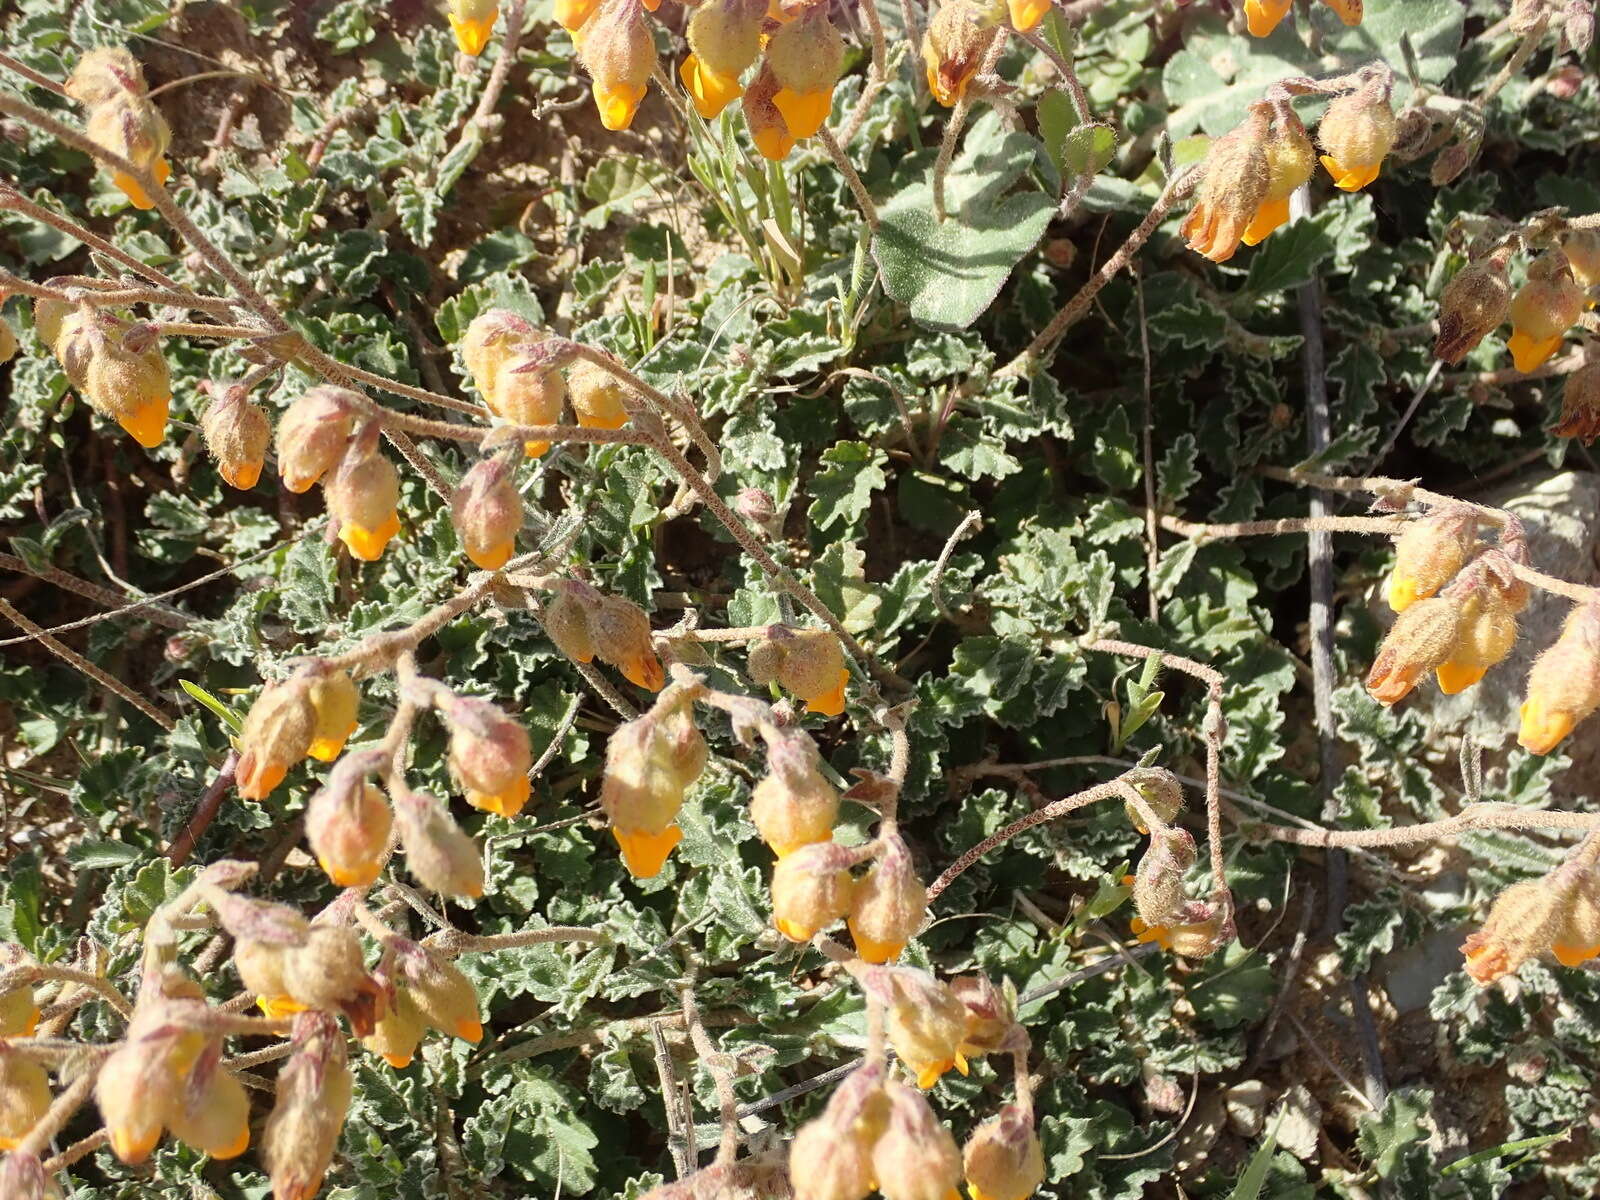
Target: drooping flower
237	433
1357	133
1262	16
617	50
724	39
890	903
1232	191
1580	405
364	496
811	889
805	55
650	763
1422	637
1473	305
1543	309
1564	683
109	83
1002	1159
472	21
486	511
1429	553
957	39
806	662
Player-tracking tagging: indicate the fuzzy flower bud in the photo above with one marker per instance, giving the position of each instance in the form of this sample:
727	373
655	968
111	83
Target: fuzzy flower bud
1235	186
335	711
890	904
1488	627
806	56
314	1091
444	997
363	496
724	39
472	21
811	889
1291	159
807	662
991	1018
487	513
650	763
277	733
1474	303
926	1020
132	1091
347	825
1002	1159
1429	553
1422	637
8	343
621	632
831	1156
1357	132
1580	405
1262	16
312	435
1564	684
1191	939
19	1014
1581	246
1559	913
399	1031
793	805
528	392
567	619
768	130
490	755
616	48
597	395
915	1158
24	1095
109	83
237	433
1542	311
1158	892
958	37
1160	791
212	1115
491	340
123	377
438	853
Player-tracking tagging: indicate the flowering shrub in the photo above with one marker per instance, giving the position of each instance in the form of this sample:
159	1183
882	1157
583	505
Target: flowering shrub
585	639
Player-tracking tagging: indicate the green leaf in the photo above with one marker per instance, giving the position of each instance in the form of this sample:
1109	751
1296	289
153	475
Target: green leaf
1255	1172
1291	255
950	271
842	487
1088	149
228	717
1386	1137
94	854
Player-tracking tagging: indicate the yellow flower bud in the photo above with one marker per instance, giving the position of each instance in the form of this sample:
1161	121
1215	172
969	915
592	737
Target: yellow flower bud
650	763
1422	637
215	1119
472	21
597	395
438	853
806	56
121	375
1472	306
957	38
1580	405
134	1088
1234	187
768	130
991	1022
890	904
444	997
1558	913
313	433
831	1156
915	1158
528	393
8	343
1291	159
490	755
724	39
807	662
363	495
1158	892
1025	14
24	1095
1429	553
567	619
1160	791
1564	684
1003	1159
490	341
1262	16
121	118
278	731
487	513
1357	132
314	1090
347	825
237	434
1542	311
398	1032
927	1023
335	708
1581	246
19	1014
621	632
1488	631
616	48
811	889
793	805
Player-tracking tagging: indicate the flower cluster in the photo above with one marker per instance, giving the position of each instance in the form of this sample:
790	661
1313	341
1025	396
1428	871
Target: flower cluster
1479	299
960	36
1250	172
1558	914
110	85
1166	914
586	624
116	365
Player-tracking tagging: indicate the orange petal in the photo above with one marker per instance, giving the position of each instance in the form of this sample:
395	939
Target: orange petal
242	475
645	671
773	141
147	424
491	558
507	803
1268	217
710	92
830	703
1458	677
1025	14
398	1061
1529	352
645	854
368	544
616	105
873	951
1542	731
470	1031
1263	16
473	36
257	777
804	112
138	197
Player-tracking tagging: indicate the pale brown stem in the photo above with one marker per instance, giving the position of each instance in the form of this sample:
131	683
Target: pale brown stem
869	211
32	76
716	1062
1478	816
82	665
453	942
155	612
877	73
